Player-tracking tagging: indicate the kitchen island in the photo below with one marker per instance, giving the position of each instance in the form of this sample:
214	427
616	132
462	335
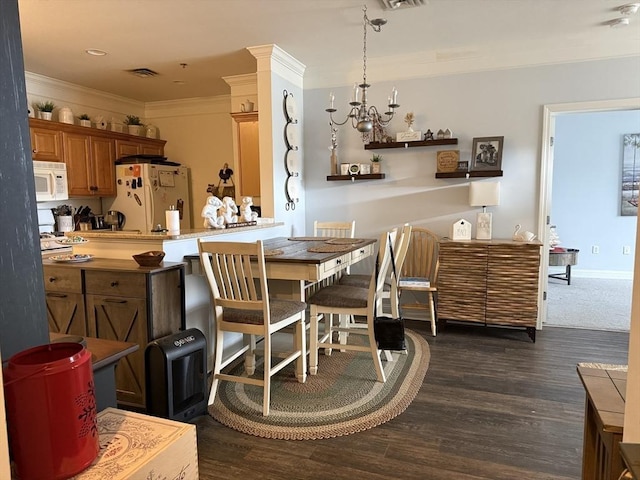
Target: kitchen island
107	244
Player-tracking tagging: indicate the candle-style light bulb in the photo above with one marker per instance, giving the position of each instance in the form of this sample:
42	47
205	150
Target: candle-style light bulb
331	99
356	92
394	96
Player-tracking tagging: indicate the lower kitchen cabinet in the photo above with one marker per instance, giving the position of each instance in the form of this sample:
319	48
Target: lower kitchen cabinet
65	301
129	303
489	282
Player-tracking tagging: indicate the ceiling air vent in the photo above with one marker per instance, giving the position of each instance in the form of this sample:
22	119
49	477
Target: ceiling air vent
143	72
396	4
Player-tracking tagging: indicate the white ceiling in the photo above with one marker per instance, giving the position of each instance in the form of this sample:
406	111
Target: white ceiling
211	36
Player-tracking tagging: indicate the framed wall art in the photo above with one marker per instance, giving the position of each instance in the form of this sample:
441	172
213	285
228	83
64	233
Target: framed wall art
630	174
486	153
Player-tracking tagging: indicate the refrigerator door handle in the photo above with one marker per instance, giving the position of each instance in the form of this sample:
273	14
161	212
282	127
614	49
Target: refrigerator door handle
150	206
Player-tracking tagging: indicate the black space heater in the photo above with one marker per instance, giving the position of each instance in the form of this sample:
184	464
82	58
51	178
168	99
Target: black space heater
176	375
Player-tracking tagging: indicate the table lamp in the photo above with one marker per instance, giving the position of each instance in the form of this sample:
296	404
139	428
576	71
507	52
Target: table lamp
484	194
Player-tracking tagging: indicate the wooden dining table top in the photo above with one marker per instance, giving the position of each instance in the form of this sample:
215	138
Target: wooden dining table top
296	249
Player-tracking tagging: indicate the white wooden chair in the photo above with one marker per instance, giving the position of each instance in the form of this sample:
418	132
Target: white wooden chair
352	301
419	273
237	279
334	229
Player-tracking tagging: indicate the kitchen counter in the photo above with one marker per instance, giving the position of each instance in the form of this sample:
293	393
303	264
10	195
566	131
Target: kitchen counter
189	233
121	245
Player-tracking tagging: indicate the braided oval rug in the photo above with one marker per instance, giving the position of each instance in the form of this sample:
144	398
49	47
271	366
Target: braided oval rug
343	398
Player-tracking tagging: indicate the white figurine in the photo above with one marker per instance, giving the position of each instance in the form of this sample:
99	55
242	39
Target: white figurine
246	214
210	213
229	210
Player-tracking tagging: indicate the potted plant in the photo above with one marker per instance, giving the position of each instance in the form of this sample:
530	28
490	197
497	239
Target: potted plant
85	120
134	125
375	163
45	109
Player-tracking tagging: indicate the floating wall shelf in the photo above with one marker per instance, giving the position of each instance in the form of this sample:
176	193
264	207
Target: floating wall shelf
353	178
422	143
483	173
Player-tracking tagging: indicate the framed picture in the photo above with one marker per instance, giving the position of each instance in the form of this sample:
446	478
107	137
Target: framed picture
630	174
487	153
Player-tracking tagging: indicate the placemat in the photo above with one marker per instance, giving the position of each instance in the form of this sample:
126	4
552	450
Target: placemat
273	252
344	241
326	248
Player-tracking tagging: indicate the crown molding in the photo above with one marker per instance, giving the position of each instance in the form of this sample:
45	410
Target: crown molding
189	106
271	58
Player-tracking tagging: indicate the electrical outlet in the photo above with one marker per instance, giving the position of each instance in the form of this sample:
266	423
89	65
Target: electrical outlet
626	250
595	249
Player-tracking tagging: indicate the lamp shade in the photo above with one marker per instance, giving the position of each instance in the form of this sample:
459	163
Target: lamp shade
484	194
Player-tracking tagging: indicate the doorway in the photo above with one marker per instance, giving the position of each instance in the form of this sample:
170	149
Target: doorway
550	114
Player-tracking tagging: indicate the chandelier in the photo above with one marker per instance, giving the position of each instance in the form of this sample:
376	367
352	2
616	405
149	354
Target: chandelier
362	115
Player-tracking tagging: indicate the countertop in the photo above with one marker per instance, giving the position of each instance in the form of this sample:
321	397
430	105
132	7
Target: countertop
184	234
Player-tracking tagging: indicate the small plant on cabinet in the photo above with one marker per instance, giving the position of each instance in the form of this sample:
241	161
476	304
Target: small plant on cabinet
375	163
132	120
45	106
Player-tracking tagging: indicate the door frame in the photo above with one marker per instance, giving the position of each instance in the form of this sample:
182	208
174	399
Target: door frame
549	114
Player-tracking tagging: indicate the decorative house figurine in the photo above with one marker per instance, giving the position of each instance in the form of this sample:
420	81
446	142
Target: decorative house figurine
246	214
210	213
448	133
461	230
440	134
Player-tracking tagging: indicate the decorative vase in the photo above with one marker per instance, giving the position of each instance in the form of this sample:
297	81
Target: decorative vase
334	163
375	167
46	115
135	129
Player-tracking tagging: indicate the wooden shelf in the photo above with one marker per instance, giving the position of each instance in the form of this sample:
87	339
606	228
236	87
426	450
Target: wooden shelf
368	176
483	173
422	143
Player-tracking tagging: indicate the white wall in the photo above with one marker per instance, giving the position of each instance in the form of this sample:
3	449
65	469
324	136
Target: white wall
587	171
505	102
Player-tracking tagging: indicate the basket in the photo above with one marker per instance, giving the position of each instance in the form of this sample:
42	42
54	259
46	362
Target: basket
152	258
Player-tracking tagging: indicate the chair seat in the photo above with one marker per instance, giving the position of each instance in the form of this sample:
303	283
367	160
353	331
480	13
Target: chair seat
361	281
340	296
280	309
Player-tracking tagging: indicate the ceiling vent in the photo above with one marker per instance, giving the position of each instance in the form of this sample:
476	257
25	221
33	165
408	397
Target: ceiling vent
396	4
143	72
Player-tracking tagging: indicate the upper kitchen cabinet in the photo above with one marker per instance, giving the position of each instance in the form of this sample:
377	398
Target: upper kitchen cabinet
46	143
90	164
248	153
138	146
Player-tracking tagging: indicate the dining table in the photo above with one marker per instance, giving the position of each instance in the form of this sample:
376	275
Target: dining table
295	264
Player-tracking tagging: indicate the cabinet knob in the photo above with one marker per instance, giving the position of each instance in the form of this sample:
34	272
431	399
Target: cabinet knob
34	151
52	279
114	284
338	262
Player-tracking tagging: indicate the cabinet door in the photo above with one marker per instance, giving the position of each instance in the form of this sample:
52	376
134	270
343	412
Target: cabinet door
248	158
512	284
123	319
77	156
65	313
152	150
103	167
46	144
124	148
462	281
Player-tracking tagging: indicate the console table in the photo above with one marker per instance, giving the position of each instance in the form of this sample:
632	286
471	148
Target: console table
566	257
603	422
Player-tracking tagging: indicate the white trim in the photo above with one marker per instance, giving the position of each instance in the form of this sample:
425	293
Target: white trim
273	59
188	107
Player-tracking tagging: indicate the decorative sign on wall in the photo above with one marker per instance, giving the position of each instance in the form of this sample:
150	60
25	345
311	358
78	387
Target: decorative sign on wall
447	160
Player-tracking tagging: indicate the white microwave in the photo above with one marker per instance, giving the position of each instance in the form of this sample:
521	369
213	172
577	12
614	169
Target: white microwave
50	180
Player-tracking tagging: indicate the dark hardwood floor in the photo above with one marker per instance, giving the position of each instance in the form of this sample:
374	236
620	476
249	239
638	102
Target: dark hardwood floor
493	405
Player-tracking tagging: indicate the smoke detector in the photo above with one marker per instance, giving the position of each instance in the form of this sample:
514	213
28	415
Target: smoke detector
143	72
395	4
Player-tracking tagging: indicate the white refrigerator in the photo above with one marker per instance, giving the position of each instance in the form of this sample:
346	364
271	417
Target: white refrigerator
145	191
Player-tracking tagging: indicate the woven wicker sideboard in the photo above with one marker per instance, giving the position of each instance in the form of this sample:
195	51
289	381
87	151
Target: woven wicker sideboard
489	282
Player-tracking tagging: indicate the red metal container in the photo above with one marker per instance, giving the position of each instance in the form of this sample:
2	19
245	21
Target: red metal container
51	411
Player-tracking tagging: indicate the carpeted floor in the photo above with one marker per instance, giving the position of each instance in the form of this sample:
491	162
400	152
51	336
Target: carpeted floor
593	303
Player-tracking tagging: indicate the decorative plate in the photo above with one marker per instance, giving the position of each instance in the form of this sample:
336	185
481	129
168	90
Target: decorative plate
77	258
292	189
292	135
73	240
290	107
292	162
